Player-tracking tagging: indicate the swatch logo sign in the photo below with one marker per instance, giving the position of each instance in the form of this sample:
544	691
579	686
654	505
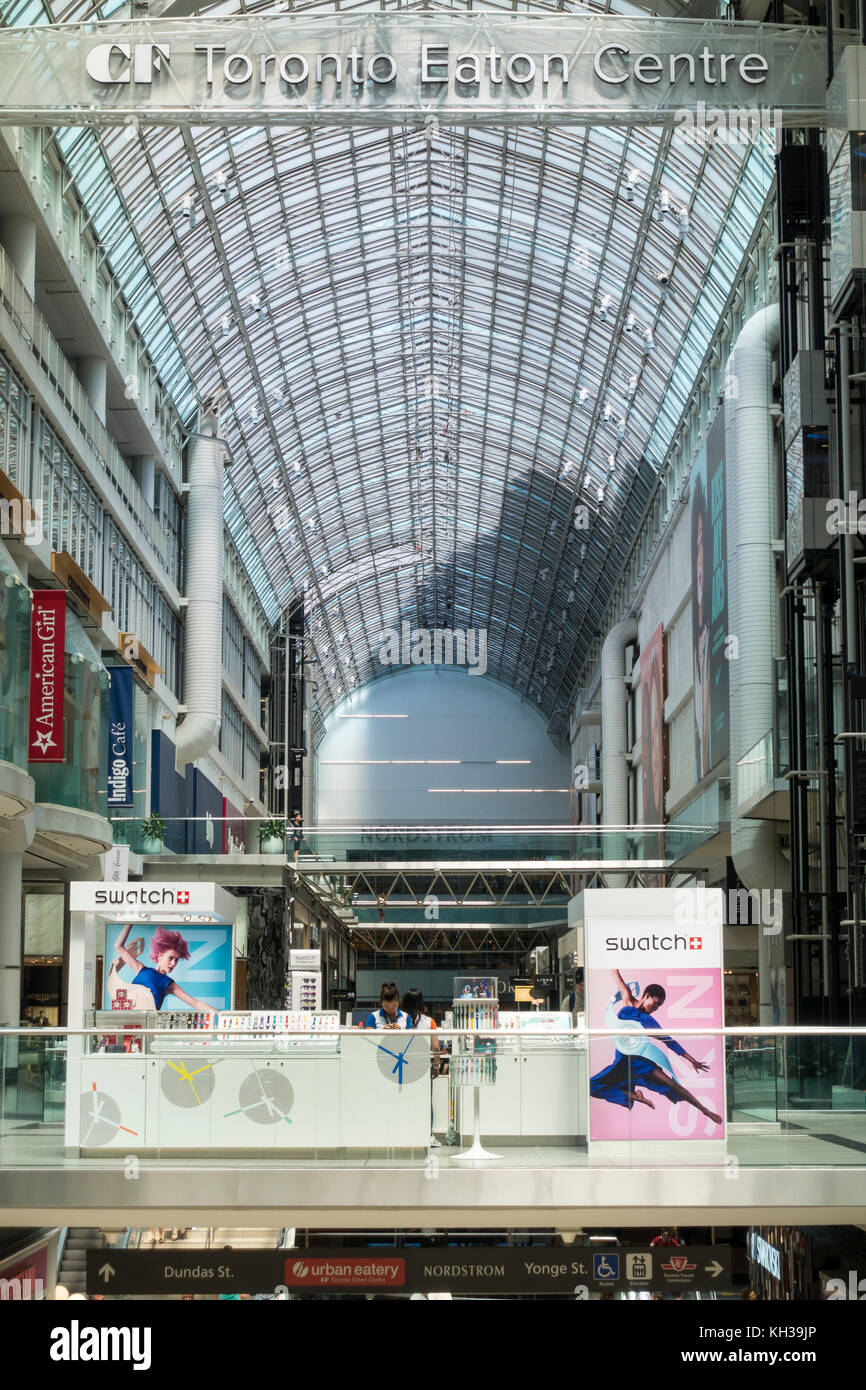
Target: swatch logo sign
351	1271
654	943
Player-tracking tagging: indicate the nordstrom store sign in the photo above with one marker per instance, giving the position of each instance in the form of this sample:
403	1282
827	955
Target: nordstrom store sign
393	67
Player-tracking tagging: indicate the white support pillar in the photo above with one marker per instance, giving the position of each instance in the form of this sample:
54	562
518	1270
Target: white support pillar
93	375
145	473
18	239
10	939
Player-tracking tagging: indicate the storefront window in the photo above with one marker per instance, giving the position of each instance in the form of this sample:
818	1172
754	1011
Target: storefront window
14	664
80	780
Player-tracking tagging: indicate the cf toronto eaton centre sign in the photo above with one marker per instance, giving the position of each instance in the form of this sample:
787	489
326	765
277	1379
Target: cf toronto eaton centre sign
401	66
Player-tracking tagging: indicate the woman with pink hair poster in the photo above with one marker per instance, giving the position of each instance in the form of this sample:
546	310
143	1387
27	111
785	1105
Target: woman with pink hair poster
151	984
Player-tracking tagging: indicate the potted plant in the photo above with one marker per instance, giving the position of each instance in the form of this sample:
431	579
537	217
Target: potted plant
153	834
272	837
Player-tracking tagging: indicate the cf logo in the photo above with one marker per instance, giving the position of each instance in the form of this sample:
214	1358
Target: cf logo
110	62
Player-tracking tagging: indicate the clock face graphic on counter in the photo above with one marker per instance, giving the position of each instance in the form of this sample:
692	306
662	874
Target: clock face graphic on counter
100	1119
186	1088
265	1097
399	1061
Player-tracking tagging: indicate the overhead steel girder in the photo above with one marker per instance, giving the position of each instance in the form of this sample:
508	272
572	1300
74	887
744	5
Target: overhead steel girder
416	885
431	940
399	67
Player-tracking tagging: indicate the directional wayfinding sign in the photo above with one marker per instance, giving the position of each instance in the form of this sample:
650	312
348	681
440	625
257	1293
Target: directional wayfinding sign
573	1270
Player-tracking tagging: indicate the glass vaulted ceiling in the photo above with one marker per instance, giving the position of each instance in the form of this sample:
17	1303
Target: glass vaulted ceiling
434	351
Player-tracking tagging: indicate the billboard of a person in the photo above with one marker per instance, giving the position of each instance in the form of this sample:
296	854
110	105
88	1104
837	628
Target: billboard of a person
151	984
637	1060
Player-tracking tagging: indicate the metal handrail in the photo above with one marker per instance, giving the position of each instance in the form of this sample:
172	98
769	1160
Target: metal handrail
202	1035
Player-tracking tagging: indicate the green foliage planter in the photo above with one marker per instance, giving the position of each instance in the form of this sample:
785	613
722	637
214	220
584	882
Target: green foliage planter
272	837
153	835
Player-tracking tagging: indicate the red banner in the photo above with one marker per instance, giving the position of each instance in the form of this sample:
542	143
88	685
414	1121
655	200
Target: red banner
47	646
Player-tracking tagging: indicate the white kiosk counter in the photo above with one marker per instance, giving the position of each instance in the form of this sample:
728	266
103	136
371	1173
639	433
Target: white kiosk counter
540	1090
229	1090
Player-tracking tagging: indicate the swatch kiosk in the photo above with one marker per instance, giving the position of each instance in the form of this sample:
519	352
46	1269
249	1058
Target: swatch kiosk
268	1080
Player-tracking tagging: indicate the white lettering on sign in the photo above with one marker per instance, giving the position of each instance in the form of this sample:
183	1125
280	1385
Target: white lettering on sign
613	65
110	62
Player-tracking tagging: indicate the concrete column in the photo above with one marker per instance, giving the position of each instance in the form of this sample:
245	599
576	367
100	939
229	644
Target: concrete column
18	238
145	472
93	375
10	939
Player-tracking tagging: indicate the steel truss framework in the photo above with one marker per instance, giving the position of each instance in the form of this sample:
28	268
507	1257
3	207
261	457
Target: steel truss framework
435	350
446	940
532	886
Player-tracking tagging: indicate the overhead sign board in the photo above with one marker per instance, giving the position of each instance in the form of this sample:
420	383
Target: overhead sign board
391	67
572	1270
157	902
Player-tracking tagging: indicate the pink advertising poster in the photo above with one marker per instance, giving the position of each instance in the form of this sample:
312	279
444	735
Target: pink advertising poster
654	975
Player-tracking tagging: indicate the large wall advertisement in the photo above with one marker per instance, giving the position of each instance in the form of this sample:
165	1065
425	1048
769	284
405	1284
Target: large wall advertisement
654	968
154	967
710	602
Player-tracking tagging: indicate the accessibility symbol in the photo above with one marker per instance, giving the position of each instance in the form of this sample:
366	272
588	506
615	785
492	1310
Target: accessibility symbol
638	1268
605	1266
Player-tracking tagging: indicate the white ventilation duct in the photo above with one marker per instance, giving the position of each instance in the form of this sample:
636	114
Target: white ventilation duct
753	602
614	738
202	667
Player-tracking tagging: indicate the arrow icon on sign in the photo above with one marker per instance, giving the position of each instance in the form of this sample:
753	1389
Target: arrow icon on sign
107	1271
715	1269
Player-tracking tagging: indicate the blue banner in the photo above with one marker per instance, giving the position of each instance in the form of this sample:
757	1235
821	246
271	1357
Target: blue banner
120	737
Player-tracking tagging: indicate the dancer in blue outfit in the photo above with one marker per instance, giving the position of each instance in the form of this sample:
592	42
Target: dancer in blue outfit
637	1059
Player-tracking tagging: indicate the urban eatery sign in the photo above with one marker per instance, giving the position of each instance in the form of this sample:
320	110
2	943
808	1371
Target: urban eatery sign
391	67
47	646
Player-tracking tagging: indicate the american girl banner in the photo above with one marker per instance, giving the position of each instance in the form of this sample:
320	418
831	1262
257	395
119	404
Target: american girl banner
47	646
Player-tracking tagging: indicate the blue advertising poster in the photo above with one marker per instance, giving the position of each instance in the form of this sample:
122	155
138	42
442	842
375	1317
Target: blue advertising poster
165	967
120	737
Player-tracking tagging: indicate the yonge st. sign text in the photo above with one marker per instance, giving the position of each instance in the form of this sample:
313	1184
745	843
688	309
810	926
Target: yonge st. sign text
400	66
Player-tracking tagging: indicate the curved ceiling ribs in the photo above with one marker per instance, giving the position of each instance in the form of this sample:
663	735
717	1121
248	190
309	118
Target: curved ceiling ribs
443	358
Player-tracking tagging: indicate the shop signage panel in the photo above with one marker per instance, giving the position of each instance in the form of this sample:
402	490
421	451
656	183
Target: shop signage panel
386	67
654	965
575	1271
47	648
120	737
157	901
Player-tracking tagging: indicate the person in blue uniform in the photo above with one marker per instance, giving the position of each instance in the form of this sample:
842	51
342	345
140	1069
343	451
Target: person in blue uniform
389	1014
167	948
641	1062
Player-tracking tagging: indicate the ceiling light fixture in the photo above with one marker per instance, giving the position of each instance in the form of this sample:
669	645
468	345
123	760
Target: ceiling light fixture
219	185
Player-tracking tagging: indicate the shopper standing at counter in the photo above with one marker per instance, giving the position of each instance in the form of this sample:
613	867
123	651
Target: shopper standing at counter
413	1004
389	1014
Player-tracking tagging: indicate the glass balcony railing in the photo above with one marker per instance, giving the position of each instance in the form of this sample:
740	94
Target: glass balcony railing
756	770
787	1098
498	844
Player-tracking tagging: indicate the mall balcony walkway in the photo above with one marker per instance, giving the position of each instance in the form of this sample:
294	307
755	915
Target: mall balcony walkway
794	1153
